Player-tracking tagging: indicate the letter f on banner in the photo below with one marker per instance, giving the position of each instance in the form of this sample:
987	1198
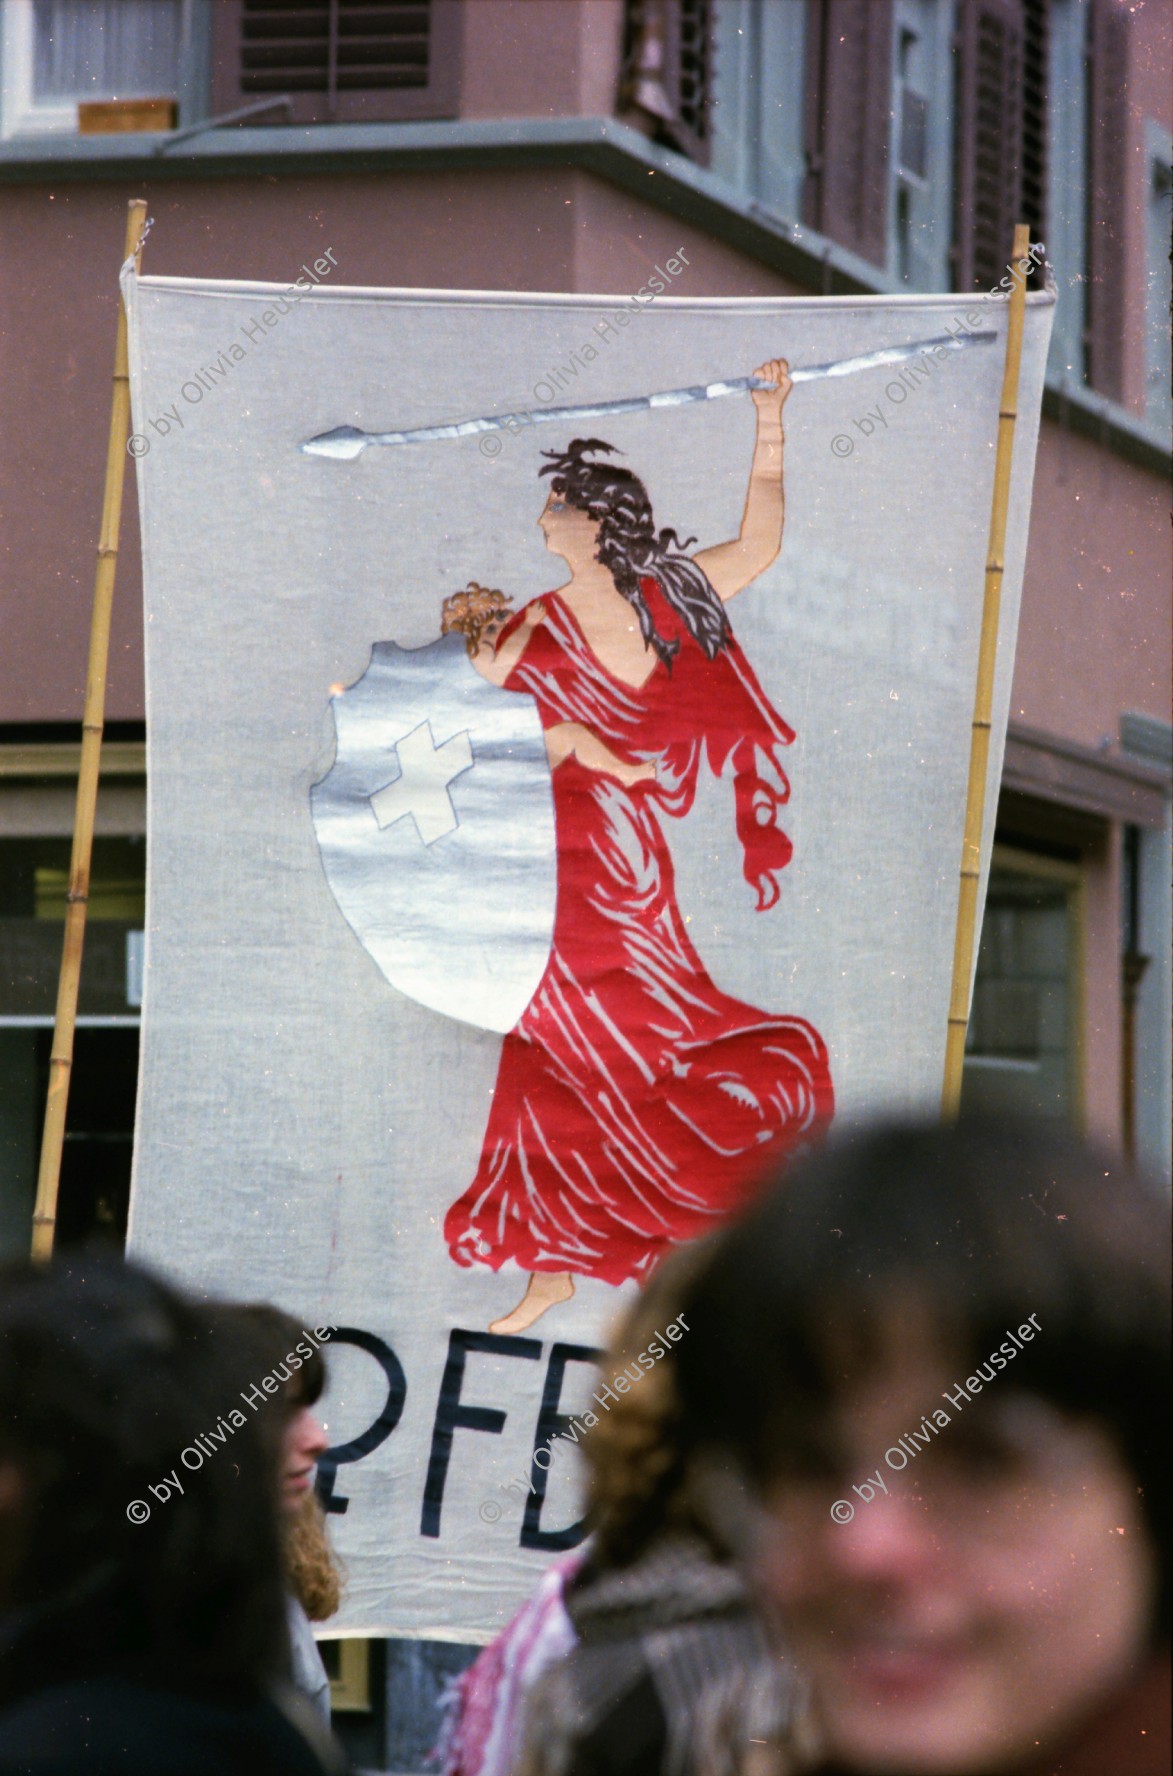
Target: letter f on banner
451	1415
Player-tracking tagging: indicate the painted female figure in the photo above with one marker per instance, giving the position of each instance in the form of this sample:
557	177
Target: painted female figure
633	1095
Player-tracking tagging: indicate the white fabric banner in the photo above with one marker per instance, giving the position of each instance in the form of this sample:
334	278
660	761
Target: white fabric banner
483	968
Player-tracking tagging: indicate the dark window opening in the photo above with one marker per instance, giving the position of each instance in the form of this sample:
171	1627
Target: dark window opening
94	1193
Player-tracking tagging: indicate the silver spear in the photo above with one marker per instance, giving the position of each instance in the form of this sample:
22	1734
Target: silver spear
346	442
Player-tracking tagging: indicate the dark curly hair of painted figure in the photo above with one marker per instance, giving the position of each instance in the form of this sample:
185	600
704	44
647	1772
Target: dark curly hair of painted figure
631	546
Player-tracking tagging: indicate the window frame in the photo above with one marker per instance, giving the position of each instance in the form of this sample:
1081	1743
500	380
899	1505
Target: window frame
930	200
1071	874
38	793
1158	157
350	1691
1066	236
20	114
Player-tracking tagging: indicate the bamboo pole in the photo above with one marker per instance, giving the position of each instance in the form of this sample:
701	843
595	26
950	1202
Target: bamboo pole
979	749
93	720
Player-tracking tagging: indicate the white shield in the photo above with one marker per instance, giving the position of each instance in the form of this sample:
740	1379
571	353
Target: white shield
436	830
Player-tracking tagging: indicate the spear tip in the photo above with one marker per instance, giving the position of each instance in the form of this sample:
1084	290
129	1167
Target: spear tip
343	444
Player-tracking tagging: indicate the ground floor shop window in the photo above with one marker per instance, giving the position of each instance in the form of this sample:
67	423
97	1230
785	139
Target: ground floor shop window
95	1167
1023	1047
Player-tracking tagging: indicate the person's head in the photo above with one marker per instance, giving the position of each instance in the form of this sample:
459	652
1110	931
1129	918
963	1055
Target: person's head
598	511
477	613
938	1359
129	1539
278	1348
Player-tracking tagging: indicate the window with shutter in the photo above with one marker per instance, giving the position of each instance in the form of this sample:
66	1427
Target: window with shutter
667	65
1000	134
340	61
758	56
848	106
1107	70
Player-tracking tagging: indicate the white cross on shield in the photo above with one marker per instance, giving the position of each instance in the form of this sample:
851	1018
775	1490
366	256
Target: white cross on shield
435	826
420	792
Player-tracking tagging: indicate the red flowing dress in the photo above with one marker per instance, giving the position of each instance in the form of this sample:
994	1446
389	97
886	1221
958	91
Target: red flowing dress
634	1097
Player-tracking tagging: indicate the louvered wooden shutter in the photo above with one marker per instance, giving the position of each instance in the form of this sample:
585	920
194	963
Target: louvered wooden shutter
1000	173
1107	183
1033	167
846	124
667	69
340	61
987	139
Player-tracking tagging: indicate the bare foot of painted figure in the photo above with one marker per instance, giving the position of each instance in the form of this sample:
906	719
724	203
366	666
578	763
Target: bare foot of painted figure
546	1289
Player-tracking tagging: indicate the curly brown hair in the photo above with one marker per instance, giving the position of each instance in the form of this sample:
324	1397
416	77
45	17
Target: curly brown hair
636	1456
312	1569
472	612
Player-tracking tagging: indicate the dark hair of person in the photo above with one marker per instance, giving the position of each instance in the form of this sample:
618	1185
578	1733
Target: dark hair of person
108	1377
277	1341
972	1228
630	546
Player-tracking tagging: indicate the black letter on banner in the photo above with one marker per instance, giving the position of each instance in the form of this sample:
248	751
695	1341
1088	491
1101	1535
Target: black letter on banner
383	1426
450	1413
551	1424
